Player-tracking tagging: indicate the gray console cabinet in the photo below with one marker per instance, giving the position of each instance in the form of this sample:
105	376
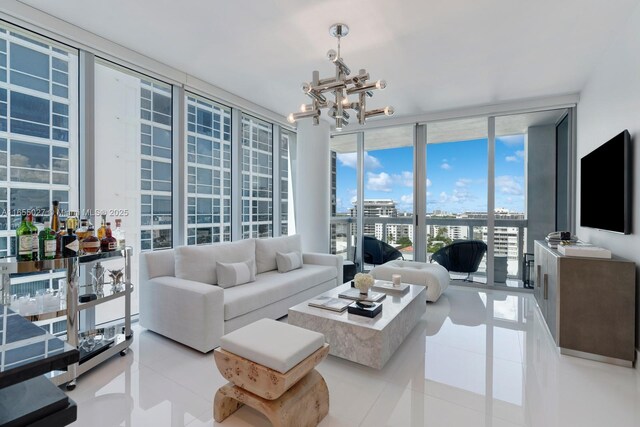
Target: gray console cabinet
588	304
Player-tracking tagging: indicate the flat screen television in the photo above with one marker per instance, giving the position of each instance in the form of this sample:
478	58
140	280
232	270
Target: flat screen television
605	186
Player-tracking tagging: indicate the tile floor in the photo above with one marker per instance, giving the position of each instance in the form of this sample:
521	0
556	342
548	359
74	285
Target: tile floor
477	358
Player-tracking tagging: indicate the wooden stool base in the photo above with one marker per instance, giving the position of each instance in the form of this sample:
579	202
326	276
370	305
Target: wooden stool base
303	405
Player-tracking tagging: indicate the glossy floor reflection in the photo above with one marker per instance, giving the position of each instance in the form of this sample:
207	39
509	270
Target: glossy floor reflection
477	358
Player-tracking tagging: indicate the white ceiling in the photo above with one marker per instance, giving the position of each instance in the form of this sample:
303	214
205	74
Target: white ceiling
435	55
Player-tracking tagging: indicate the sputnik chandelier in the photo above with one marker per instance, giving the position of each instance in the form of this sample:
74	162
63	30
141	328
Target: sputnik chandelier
339	88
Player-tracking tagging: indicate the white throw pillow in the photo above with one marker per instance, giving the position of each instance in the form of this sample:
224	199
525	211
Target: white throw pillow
266	250
289	261
198	263
235	273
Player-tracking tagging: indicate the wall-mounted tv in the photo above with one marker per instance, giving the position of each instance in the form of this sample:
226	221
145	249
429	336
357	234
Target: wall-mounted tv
605	186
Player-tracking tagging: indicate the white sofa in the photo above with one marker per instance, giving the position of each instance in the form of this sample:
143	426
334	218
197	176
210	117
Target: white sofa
180	299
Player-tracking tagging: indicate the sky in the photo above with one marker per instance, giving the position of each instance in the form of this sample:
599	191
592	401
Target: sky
456	176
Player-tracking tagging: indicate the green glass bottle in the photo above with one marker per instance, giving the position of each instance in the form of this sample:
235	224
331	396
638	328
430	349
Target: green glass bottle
47	240
24	241
34	237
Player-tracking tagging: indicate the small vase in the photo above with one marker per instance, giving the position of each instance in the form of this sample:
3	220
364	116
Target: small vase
364	294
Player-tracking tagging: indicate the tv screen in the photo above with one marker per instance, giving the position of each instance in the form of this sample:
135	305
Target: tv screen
605	186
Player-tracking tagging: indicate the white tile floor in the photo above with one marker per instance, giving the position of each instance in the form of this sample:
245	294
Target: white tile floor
477	358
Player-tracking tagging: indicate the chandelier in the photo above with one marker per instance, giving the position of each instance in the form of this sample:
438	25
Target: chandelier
339	88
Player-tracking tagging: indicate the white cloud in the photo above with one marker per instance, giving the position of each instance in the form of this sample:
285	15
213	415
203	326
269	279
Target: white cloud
384	182
445	166
379	182
351	160
507	184
511	140
428	183
463	182
458	196
520	153
354	199
511	159
406	199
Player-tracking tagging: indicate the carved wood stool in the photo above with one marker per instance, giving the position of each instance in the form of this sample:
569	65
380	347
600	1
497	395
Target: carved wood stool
297	397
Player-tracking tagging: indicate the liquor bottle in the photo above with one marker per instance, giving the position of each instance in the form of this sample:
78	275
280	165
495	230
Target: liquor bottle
55	219
24	242
35	246
62	230
81	232
90	244
72	220
47	239
70	244
119	234
108	242
103	227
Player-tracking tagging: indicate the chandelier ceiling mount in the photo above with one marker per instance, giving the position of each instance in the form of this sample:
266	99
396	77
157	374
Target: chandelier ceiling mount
333	93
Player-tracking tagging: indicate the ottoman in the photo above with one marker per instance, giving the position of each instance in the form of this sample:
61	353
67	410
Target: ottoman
434	276
270	366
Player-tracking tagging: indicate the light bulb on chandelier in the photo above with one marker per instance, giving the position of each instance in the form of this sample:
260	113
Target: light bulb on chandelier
339	88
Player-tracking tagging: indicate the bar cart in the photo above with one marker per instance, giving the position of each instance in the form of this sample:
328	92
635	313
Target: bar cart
103	342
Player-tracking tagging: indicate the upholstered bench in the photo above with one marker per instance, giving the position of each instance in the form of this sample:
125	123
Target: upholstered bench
271	368
434	276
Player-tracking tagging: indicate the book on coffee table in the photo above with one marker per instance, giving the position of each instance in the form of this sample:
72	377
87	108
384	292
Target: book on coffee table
354	294
328	303
389	288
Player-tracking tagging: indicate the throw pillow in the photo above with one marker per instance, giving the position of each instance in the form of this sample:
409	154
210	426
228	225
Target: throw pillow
235	273
288	261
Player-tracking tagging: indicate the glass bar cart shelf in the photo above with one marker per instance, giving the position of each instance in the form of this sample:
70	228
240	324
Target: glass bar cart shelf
104	342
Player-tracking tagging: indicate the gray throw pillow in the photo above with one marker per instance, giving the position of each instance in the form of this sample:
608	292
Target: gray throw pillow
288	261
235	273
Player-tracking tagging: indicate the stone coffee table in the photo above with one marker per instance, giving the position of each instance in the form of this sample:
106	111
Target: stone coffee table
364	340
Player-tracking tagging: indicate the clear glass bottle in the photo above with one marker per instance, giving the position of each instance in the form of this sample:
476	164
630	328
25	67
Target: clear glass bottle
108	243
119	234
47	240
55	219
35	245
70	244
103	226
24	245
90	243
62	230
72	220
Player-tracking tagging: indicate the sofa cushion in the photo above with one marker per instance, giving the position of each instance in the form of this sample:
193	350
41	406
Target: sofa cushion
235	273
289	261
198	263
271	287
266	250
273	344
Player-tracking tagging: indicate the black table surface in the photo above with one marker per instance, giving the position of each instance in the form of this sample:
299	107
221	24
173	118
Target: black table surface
27	351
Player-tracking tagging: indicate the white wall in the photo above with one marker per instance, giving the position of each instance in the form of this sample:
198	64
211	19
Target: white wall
313	191
609	103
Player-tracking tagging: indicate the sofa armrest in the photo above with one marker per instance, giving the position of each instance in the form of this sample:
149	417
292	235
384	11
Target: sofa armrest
325	259
186	311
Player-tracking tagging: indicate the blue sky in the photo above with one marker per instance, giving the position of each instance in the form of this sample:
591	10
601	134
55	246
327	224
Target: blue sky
456	176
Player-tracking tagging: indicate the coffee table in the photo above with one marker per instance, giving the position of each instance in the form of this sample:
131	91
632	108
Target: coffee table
364	340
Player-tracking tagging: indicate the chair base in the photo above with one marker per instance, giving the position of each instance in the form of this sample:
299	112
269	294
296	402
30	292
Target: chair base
303	405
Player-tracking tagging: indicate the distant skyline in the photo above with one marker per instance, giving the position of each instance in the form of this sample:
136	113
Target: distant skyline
456	176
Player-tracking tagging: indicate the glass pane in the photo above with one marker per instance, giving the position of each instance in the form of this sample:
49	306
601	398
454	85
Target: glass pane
457	167
344	192
388	192
287	161
204	171
133	154
257	178
525	183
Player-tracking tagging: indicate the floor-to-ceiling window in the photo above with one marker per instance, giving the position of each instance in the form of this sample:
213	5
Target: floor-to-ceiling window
257	177
208	172
388	188
38	137
456	183
133	162
344	195
287	153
